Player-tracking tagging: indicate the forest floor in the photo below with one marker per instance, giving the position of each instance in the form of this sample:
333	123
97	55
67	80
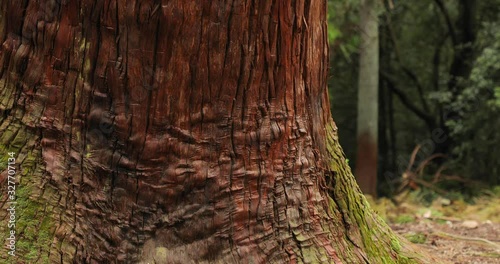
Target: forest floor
453	230
455	243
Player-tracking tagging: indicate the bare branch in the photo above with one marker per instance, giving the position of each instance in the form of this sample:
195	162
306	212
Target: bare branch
405	69
451	29
428	119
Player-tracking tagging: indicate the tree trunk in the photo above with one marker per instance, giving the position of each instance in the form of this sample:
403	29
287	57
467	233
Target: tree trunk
177	132
367	128
464	35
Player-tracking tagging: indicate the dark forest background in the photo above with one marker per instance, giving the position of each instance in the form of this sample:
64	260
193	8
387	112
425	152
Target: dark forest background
439	92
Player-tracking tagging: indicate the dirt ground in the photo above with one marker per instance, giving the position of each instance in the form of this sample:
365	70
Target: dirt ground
452	230
454	241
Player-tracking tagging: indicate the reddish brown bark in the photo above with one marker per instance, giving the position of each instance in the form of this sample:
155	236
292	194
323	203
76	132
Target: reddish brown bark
178	132
366	164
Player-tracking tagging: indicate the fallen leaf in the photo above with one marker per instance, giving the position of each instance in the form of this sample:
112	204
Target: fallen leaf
470	224
427	214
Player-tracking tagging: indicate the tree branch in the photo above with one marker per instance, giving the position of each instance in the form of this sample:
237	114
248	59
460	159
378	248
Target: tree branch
419	86
405	69
428	119
451	29
436	61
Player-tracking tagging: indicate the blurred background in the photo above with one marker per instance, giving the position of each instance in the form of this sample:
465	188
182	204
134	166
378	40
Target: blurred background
415	92
422	80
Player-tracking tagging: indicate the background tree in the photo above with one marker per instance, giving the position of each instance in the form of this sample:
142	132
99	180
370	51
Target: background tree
367	121
431	92
177	132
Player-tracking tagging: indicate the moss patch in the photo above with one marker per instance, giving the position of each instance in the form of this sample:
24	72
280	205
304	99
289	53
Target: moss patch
378	241
404	219
416	238
34	223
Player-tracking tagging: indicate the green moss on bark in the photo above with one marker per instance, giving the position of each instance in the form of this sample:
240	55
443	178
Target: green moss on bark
364	227
34	219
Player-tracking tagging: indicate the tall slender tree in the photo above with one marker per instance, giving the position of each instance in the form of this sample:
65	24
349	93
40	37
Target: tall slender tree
367	121
177	132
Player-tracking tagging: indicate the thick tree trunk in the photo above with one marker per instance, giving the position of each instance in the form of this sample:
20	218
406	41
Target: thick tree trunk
367	125
177	132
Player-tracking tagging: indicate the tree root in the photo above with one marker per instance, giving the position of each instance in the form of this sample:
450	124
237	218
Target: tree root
475	239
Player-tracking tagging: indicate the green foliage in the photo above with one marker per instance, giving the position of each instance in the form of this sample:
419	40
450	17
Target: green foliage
416	238
424	196
478	104
496	190
404	219
497	97
342	26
